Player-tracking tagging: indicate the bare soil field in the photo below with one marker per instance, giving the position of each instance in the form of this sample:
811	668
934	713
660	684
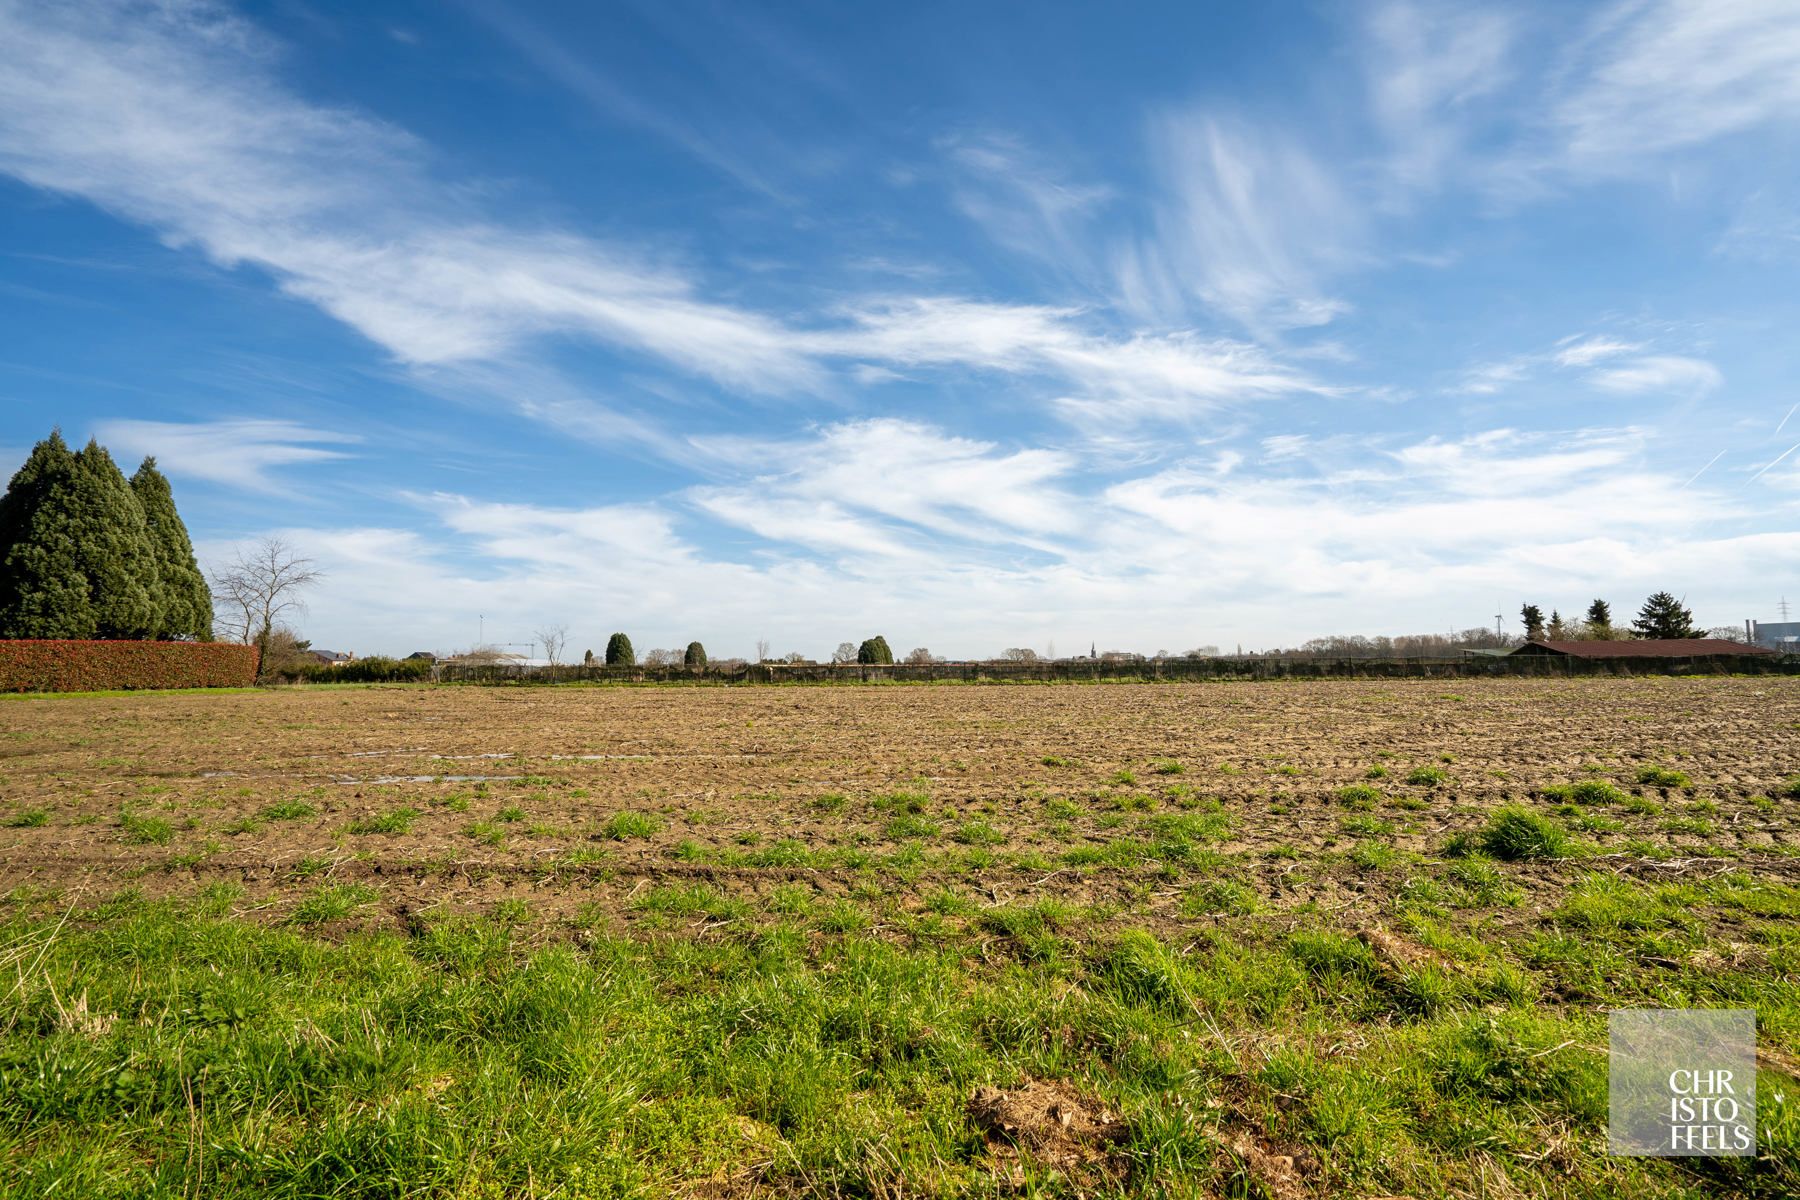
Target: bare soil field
1278	894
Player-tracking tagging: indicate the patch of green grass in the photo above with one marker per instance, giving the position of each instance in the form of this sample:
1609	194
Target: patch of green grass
289	810
1057	760
1426	776
910	825
333	902
29	818
143	829
1167	766
1221	896
1515	832
1662	777
1360	796
511	814
696	900
978	833
628	824
397	820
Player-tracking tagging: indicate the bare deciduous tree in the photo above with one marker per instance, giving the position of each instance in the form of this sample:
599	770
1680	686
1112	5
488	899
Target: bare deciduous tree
919	656
553	638
1018	654
845	653
264	584
762	649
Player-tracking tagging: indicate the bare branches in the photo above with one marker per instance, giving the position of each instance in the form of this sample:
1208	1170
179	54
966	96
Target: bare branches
263	585
553	638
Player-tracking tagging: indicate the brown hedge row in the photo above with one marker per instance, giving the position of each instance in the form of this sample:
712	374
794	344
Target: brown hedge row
70	666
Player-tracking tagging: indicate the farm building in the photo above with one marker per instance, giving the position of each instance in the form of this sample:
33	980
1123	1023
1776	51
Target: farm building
1641	648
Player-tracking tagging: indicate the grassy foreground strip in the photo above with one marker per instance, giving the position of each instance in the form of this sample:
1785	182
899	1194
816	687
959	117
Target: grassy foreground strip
168	1048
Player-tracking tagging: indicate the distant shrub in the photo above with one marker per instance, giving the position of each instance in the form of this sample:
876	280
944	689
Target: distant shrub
374	669
875	650
694	657
46	665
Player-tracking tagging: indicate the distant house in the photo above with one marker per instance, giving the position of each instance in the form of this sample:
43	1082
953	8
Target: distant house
420	655
1640	648
332	658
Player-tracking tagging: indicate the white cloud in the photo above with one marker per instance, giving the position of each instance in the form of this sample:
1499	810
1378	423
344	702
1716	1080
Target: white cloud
237	453
1428	66
1670	74
1586	351
1248	222
1487	379
1625	371
171	118
1021	200
1669	373
176	121
1372	538
880	483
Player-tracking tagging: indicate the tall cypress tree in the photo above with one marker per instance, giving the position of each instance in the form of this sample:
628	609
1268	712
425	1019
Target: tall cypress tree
183	602
44	591
112	547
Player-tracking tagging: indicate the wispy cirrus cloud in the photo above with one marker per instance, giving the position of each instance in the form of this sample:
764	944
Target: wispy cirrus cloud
1659	373
1429	68
1024	201
1661	76
177	121
172	118
1608	364
1248	221
242	454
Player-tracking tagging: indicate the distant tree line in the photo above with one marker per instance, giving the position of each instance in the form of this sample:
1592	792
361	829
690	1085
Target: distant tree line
86	553
1662	617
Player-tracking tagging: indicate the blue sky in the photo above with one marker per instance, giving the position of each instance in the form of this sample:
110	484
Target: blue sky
1153	326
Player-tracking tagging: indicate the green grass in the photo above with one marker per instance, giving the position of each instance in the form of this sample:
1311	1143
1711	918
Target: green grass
1515	833
143	829
625	825
396	820
469	1057
289	810
1359	795
1427	776
1662	777
29	818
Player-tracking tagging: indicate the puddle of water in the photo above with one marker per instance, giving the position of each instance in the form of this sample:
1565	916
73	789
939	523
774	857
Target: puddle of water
219	775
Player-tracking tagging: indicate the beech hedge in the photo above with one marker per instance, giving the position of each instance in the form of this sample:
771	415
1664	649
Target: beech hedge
46	665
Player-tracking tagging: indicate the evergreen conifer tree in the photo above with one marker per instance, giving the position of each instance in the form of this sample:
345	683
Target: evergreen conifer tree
43	589
695	656
113	547
875	650
1663	616
183	601
619	652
